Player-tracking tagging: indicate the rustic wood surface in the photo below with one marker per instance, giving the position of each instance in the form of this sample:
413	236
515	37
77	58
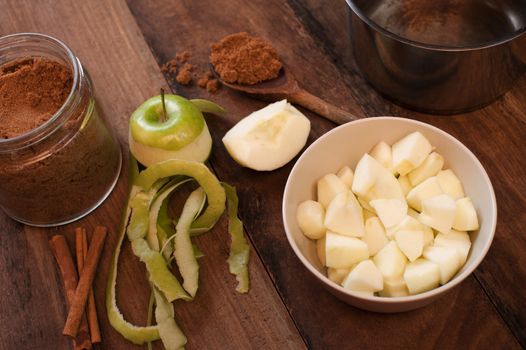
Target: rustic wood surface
123	46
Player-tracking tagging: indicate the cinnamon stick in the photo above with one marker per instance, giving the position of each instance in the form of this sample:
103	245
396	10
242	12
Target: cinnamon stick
81	245
76	311
60	250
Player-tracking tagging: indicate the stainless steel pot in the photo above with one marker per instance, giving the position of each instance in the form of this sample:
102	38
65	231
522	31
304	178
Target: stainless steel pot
440	56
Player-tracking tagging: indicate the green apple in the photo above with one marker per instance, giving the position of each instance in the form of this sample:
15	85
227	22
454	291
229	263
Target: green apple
176	130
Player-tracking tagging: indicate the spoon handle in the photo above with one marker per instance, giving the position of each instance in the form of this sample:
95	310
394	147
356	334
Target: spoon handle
321	107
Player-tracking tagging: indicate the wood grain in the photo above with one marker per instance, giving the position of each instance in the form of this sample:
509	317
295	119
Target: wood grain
108	42
310	35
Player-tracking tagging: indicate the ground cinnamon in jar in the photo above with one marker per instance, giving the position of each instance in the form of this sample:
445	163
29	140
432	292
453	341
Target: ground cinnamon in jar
244	59
67	168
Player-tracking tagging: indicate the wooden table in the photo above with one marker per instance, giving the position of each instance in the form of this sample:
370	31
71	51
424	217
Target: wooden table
123	44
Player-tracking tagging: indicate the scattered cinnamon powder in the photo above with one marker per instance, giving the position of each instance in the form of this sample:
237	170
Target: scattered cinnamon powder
184	77
212	85
182	56
244	59
31	91
170	66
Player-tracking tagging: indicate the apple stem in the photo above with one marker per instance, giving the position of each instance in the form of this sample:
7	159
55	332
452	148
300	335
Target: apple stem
164	115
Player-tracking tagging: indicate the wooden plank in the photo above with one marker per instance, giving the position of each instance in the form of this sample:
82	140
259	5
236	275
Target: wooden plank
324	321
107	40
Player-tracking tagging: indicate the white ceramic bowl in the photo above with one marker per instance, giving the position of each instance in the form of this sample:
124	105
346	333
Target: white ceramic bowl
345	145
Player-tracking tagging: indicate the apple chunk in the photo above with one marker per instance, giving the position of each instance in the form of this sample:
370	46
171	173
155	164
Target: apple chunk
310	217
364	277
337	275
374	235
394	288
450	184
465	216
328	187
421	275
344	215
346	175
382	153
430	167
427	189
320	250
268	138
390	211
390	261
411	243
438	212
448	260
410	152
343	251
458	240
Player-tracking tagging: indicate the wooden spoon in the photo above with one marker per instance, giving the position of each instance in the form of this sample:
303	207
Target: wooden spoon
285	86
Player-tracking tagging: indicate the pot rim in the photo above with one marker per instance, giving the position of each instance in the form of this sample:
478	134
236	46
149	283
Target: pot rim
434	47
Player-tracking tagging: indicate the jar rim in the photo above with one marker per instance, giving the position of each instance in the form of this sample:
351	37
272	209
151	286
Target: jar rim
43	130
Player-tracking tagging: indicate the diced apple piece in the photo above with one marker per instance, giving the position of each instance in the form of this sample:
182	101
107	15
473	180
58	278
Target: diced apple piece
448	260
390	261
427	189
346	175
373	181
337	275
364	277
310	216
457	240
343	251
438	212
364	294
364	202
390	211
374	235
429	237
410	152
382	153
328	187
394	288
466	216
411	243
320	250
408	223
405	184
421	275
412	213
344	215
450	184
430	167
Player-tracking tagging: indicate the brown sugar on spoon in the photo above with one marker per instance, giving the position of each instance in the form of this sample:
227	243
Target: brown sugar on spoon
244	59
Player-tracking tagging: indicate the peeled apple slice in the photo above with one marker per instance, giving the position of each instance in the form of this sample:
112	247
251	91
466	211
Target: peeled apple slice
390	211
448	260
405	184
394	288
346	175
382	153
343	252
373	181
450	184
328	187
374	235
438	212
430	167
364	277
310	216
345	216
337	275
268	138
390	261
410	152
454	239
421	275
465	216
427	189
411	243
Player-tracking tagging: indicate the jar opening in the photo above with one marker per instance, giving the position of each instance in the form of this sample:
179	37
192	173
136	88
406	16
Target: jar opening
34	46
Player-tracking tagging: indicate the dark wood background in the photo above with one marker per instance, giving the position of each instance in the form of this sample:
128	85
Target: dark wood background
123	44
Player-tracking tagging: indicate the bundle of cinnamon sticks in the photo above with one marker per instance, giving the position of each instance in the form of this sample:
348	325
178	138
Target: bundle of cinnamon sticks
82	322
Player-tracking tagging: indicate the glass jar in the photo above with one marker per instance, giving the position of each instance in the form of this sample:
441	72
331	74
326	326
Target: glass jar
64	168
